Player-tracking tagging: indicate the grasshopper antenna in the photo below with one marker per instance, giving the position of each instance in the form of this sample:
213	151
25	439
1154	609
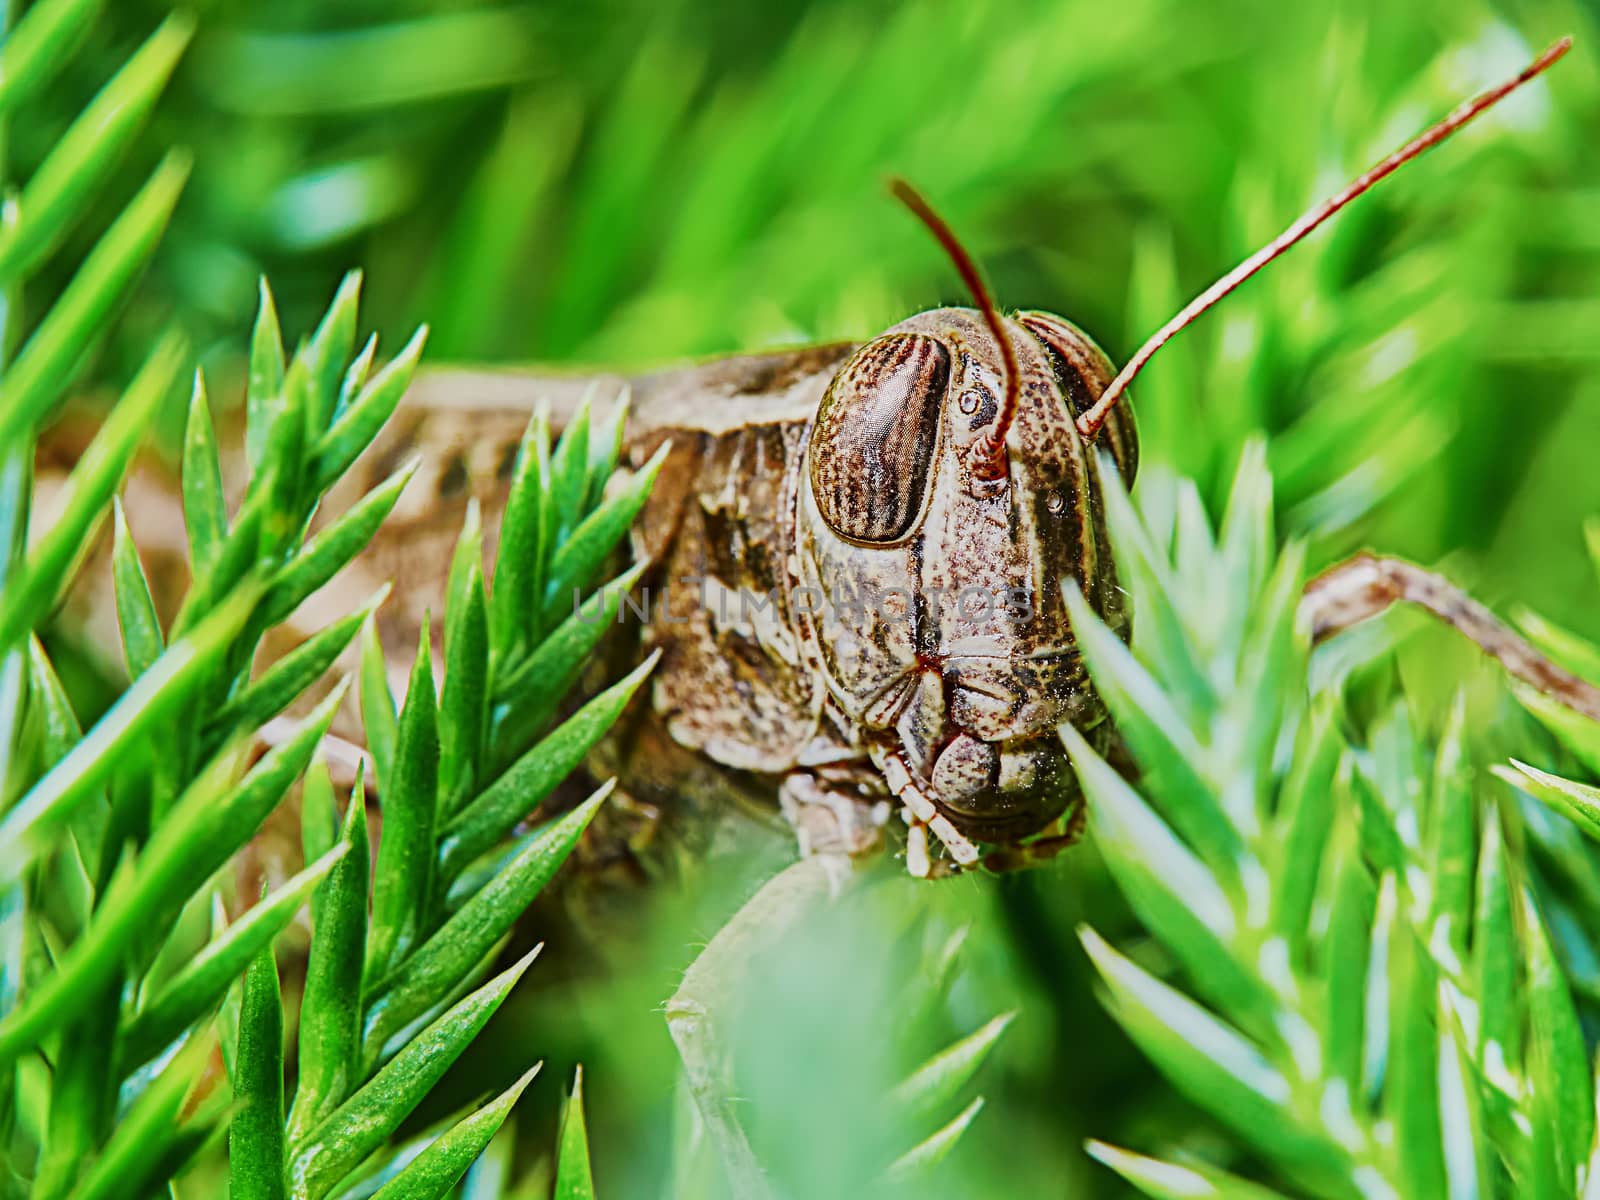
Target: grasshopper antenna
988	453
1089	423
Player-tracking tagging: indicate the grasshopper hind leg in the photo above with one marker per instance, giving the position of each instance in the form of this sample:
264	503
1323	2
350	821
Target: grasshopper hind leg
1364	586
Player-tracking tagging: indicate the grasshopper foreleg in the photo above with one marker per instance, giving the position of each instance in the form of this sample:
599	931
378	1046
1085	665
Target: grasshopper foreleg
1366	585
922	814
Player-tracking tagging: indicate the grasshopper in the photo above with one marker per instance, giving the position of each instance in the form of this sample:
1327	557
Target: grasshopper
855	557
856	554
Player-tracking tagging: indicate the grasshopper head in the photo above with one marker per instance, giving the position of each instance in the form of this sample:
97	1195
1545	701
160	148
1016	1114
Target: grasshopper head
935	579
947	468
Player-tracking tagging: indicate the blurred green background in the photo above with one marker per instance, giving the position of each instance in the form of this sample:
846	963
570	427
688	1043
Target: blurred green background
627	183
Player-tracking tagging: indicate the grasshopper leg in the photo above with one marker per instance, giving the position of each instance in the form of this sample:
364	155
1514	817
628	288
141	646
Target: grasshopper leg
917	849
713	983
831	817
920	810
1364	586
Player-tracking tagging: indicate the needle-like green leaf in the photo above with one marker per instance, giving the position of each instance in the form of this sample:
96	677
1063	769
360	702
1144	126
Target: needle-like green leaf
82	1096
1560	1079
467	556
89	490
1178	1181
1452	837
354	428
1169	886
362	1123
464	701
515	794
209	823
255	1138
920	1162
579	557
1346	955
427	976
1303	822
1209	1062
292	674
1573	651
1494	948
355	375
1160	738
58	191
59	730
1579	733
569	471
25	831
36	48
1411	1091
605	448
200	985
1469	1157
325	554
574	1180
525	702
330	1014
1161	630
131	1159
519	566
142	641
932	1087
403	882
49	359
283	476
264	396
205	512
329	352
319	812
378	716
1580	801
432	1174
236	559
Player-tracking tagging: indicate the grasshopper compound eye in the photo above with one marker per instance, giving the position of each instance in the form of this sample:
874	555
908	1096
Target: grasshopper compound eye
872	447
1082	373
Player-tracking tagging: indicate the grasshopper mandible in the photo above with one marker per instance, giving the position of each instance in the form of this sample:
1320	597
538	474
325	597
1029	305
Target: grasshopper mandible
856	557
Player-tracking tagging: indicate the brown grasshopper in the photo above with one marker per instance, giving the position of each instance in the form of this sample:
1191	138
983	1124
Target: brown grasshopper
911	506
857	554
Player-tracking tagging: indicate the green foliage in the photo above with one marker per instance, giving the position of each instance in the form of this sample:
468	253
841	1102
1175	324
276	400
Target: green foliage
658	180
71	973
144	808
435	1171
138	814
1362	985
392	996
